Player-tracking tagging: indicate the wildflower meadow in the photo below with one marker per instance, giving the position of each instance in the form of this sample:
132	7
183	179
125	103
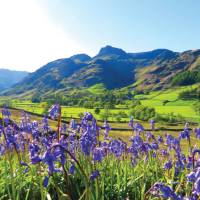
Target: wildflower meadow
82	161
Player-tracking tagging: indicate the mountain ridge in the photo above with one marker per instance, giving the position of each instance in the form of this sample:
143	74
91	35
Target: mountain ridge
113	67
10	77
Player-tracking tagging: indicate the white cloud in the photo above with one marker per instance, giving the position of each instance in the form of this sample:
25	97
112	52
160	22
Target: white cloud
28	38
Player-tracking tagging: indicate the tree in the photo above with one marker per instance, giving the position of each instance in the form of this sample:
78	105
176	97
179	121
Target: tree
97	110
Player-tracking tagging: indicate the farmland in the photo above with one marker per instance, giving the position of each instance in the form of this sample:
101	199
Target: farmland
164	102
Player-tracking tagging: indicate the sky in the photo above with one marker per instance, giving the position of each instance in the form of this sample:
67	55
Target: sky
35	32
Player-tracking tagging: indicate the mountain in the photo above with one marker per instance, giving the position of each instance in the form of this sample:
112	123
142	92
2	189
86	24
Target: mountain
10	77
112	67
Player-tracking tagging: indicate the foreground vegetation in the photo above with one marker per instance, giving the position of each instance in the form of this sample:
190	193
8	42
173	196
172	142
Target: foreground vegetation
82	161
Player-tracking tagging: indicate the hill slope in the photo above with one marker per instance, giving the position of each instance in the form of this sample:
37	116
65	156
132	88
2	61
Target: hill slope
112	67
9	77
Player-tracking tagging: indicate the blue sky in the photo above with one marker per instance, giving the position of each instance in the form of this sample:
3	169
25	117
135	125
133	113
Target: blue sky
35	32
135	25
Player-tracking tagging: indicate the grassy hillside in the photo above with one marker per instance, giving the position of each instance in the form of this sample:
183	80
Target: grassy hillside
167	101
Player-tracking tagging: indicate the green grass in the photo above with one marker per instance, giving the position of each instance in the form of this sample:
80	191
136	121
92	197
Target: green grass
157	100
97	89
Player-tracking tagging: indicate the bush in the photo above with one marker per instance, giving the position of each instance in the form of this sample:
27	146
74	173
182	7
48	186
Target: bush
97	111
142	112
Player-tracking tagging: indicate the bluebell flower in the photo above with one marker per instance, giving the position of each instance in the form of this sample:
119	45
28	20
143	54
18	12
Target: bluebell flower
45	124
64	128
166	191
191	177
98	154
149	136
49	159
88	116
138	128
46	181
5	112
160	139
168	165
54	111
72	169
88	140
117	147
197	132
35	159
185	134
94	175
152	124
131	122
164	152
73	124
33	149
155	146
2	149
107	129
197	186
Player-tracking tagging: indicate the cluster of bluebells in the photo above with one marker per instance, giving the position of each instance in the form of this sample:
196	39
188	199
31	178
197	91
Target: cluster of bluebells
54	153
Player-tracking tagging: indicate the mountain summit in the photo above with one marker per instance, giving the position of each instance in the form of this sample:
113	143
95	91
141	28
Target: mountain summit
109	50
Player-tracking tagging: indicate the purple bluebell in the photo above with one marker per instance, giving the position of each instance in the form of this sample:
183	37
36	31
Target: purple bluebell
72	169
197	132
45	181
152	124
2	149
189	162
166	191
164	152
98	154
88	141
33	149
191	177
149	136
155	146
138	128
185	134
5	112
168	165
64	129
45	124
6	115
160	139
88	116
35	159
59	153
73	124
49	159
131	122
197	186
54	111
107	129
117	147
94	175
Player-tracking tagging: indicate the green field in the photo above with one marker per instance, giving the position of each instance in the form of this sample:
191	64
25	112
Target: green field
174	105
165	102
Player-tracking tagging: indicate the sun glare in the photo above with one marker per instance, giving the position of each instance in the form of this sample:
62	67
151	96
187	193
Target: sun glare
28	38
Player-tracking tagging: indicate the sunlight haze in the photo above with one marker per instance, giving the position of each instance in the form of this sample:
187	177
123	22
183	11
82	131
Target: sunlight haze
28	38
